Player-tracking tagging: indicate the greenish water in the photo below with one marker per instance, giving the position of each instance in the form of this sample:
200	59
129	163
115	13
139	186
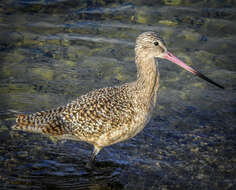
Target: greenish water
53	51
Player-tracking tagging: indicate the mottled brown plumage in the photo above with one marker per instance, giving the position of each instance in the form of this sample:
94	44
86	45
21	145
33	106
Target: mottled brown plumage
109	115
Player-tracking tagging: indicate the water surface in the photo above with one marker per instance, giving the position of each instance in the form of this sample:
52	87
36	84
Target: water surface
54	51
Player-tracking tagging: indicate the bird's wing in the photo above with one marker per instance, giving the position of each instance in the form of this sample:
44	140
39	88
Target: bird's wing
98	111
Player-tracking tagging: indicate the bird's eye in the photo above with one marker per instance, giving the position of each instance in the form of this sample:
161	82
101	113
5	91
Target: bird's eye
156	43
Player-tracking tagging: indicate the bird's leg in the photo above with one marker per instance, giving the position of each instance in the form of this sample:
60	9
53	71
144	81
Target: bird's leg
90	163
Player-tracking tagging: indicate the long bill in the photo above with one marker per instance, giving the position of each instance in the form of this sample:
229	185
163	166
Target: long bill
169	56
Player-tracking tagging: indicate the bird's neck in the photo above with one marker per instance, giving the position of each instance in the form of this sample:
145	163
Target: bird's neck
147	78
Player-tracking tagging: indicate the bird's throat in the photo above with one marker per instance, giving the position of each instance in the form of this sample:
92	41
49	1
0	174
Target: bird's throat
147	78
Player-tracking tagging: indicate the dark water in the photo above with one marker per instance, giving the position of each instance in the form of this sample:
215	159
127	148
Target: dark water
52	51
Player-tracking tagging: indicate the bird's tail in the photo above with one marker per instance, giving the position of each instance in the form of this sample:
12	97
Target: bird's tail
46	122
25	123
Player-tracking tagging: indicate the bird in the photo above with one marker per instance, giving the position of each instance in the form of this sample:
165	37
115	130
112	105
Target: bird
110	115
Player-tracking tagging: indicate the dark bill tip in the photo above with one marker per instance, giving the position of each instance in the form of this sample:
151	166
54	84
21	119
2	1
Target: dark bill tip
169	56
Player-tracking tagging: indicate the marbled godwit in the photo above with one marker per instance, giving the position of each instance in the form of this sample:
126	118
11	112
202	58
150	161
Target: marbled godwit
110	115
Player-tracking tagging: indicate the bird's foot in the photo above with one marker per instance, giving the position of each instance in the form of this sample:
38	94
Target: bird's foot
90	165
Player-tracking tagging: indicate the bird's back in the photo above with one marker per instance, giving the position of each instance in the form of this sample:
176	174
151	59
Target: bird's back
87	118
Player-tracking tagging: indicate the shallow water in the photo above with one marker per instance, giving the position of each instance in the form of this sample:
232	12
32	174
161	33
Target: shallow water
53	51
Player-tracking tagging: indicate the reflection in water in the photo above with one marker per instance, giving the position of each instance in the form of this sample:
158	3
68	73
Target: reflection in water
54	51
73	178
41	177
49	166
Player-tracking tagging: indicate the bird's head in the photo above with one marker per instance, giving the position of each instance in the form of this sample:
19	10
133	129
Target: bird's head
150	44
